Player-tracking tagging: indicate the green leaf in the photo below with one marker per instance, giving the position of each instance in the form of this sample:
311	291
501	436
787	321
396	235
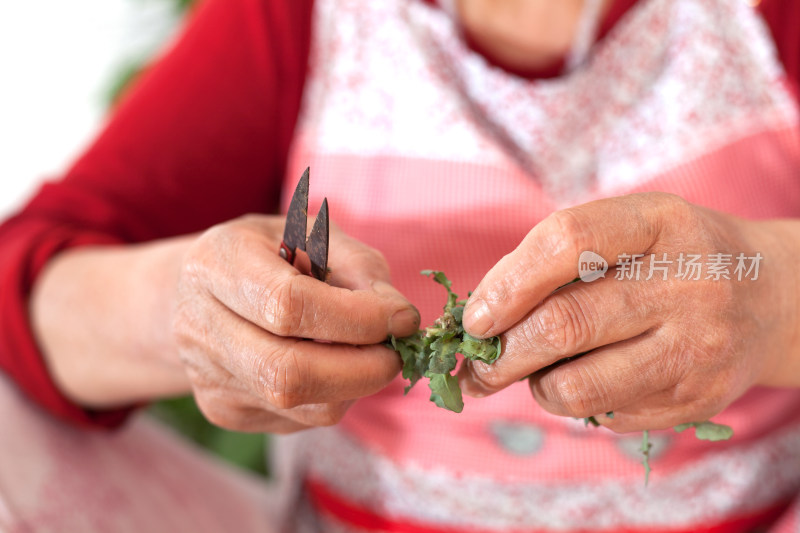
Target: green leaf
244	449
445	392
713	432
568	283
498	346
412	354
707	430
485	350
645	449
443	356
432	353
593	421
440	278
451	301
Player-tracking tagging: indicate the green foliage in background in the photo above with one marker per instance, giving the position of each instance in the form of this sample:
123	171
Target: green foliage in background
127	71
243	449
246	450
181	5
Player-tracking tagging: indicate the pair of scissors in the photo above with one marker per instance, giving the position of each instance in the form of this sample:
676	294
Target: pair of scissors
294	235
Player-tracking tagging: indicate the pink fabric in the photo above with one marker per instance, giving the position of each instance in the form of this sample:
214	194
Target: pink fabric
755	177
56	478
455	181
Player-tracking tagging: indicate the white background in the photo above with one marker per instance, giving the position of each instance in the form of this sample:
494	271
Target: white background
58	59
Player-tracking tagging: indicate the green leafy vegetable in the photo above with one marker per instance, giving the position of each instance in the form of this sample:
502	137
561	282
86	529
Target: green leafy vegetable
431	353
645	449
445	392
707	430
479	349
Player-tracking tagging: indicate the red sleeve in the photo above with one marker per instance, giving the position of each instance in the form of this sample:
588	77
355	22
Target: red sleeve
201	138
783	19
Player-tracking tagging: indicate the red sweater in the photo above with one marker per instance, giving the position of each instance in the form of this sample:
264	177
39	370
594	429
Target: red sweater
201	138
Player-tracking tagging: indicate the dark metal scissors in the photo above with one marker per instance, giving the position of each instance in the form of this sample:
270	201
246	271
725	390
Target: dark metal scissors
294	235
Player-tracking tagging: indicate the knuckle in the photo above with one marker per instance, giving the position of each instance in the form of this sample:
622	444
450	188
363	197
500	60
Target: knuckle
576	391
672	367
693	389
368	254
676	212
566	232
561	325
371	258
220	237
283	309
202	261
678	372
673	203
280	380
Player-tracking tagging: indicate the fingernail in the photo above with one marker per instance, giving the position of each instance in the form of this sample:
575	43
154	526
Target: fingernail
404	322
477	318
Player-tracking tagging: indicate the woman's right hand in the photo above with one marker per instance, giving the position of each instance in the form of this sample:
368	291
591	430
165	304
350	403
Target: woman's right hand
267	348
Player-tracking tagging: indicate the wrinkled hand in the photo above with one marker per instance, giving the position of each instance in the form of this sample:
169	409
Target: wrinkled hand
660	352
245	319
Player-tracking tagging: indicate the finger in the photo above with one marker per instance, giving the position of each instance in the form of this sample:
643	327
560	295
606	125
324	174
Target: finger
227	402
657	411
573	320
290	372
224	412
246	274
354	265
287	372
244	412
609	378
351	263
548	256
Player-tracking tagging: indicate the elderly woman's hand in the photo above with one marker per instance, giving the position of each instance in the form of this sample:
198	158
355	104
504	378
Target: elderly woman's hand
659	351
270	349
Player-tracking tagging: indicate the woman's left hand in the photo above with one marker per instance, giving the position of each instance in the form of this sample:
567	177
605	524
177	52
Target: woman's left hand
659	350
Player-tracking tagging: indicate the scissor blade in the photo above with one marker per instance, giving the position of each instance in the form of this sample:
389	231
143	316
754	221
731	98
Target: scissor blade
294	235
318	244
